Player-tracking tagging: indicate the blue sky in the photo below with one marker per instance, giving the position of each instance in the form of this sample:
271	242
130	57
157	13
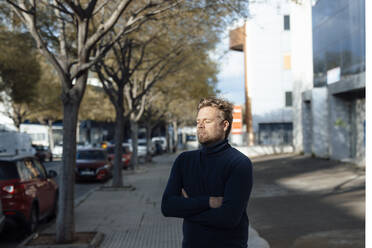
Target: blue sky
231	75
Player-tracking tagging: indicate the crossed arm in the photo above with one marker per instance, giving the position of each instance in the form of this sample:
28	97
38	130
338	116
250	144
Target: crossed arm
220	212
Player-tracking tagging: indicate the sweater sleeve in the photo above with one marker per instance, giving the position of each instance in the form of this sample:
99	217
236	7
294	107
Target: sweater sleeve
237	192
173	203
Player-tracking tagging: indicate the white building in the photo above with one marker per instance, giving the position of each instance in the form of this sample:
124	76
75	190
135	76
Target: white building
6	124
268	69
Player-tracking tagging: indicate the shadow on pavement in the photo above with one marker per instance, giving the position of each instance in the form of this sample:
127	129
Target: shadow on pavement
300	201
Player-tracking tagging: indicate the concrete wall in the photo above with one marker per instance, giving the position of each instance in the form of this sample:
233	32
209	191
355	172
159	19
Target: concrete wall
319	112
340	128
347	129
315	122
359	111
302	68
307	129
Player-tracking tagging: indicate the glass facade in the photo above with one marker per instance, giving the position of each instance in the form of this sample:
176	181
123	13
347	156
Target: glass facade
338	38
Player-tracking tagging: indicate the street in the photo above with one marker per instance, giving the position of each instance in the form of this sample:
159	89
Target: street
9	239
305	202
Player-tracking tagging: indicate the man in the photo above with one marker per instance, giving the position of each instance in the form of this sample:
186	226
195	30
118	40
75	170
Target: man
210	188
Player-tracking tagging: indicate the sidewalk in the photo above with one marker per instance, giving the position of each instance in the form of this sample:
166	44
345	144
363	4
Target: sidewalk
303	202
133	219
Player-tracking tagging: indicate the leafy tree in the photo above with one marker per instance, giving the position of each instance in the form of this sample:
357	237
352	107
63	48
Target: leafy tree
19	70
70	35
134	68
46	106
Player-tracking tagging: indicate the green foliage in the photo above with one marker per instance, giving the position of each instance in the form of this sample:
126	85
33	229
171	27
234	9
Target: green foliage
47	105
96	105
19	68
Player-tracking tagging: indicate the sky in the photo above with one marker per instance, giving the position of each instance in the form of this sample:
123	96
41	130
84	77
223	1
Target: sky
231	75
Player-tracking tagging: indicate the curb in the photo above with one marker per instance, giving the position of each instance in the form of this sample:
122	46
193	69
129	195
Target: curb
82	198
255	240
77	202
94	243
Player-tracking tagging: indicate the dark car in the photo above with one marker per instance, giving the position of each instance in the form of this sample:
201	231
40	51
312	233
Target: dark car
2	217
127	154
43	153
28	193
92	164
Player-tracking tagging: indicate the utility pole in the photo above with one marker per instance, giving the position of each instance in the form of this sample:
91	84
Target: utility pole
248	109
238	42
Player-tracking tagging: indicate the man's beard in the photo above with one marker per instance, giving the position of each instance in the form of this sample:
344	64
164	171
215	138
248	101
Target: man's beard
205	139
202	138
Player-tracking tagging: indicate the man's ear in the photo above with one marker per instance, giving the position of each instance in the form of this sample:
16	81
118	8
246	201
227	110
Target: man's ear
226	125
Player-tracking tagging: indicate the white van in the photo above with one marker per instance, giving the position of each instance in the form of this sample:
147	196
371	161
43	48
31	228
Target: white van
15	143
39	133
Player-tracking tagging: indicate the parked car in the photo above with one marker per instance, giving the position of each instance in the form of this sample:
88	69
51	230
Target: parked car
92	164
192	142
28	193
127	154
43	153
141	149
160	144
57	150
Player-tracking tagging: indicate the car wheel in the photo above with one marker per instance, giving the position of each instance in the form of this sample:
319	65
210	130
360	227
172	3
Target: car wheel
34	220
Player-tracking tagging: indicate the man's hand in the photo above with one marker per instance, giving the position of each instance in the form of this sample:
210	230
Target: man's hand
215	201
184	194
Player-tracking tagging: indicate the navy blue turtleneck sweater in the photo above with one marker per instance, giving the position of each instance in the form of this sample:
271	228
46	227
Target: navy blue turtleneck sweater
217	170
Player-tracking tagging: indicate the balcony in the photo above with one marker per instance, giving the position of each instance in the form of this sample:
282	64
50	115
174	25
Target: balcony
237	37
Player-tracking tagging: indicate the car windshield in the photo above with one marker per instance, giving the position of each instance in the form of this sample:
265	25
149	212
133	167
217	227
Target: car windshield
142	144
91	155
110	150
8	170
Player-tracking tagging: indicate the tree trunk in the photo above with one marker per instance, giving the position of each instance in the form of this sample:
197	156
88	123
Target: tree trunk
119	136
167	137
175	134
65	227
134	136
148	142
50	135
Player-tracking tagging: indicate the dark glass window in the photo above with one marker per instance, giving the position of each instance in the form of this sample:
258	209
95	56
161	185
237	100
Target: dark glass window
338	38
23	171
34	172
8	170
40	168
286	22
288	99
91	155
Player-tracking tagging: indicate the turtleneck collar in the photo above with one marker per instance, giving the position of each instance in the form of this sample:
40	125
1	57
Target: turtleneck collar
215	147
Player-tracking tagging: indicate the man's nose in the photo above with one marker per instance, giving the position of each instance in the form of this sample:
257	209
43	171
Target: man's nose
200	125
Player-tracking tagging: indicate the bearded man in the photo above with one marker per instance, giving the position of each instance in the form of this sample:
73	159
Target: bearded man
209	188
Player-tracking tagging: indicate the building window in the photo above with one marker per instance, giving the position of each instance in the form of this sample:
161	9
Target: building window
286	22
287	62
288	99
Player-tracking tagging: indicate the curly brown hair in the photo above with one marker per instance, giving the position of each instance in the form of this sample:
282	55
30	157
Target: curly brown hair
225	107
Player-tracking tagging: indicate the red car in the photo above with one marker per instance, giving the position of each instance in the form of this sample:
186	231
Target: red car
92	164
127	154
28	193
